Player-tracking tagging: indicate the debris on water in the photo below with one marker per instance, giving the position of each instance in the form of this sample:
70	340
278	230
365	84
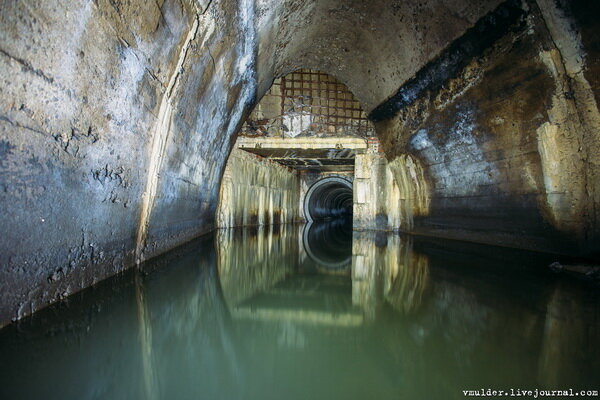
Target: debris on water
589	271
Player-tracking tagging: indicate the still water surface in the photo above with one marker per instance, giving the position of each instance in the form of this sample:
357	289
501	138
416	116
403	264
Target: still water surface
312	312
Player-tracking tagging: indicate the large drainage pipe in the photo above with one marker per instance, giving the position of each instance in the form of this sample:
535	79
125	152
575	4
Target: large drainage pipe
328	198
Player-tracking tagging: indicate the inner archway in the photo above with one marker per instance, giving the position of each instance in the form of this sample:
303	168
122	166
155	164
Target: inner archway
299	145
328	198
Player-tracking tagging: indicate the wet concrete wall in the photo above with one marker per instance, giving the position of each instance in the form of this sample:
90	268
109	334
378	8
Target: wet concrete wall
509	144
257	191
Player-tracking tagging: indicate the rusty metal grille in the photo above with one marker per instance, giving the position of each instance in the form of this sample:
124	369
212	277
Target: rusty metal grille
310	103
330	101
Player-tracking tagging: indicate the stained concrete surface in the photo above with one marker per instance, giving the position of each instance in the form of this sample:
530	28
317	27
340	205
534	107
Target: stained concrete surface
257	191
117	117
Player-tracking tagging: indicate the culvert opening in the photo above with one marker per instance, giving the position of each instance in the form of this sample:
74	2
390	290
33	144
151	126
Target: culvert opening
328	199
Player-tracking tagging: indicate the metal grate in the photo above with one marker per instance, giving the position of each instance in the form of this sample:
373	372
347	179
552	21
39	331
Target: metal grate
323	96
310	103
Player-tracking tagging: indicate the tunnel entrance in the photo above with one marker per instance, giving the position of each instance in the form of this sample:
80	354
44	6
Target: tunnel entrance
328	198
296	155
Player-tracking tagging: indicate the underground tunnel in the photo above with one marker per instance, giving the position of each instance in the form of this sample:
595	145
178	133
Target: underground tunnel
231	198
328	198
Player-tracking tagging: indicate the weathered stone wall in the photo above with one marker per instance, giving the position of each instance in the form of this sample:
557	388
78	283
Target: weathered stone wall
388	195
509	145
107	156
257	191
117	117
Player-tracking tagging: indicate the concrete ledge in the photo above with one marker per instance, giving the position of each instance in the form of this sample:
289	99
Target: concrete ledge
301	143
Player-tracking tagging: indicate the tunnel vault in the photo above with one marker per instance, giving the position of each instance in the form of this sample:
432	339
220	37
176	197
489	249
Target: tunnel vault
118	119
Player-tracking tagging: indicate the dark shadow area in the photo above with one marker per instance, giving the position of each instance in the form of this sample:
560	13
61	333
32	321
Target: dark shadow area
329	244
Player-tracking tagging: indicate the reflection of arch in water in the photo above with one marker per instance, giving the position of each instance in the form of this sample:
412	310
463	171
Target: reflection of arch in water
251	260
329	244
406	278
330	197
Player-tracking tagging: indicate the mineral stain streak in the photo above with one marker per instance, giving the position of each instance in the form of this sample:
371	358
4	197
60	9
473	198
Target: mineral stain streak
159	140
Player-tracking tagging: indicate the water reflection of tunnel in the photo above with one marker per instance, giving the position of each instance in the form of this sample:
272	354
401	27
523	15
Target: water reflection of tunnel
329	244
328	198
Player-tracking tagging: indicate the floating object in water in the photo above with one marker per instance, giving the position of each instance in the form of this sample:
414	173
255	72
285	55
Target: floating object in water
590	271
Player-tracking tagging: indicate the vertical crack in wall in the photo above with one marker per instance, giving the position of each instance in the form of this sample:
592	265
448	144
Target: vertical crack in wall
159	139
246	71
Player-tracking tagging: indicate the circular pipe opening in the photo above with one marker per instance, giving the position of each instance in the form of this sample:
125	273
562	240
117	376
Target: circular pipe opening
328	198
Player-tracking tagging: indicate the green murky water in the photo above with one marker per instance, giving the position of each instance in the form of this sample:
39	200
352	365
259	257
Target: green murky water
312	312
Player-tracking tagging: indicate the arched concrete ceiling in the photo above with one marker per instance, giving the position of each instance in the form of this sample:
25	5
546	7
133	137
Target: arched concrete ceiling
371	46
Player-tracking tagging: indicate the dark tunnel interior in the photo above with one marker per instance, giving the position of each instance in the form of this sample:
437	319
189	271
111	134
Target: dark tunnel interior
329	198
329	244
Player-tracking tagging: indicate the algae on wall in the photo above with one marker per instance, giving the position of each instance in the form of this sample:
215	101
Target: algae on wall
256	191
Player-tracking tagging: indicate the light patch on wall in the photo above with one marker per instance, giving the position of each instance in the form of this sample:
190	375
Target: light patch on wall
80	20
413	190
420	140
557	139
295	121
548	147
123	101
456	163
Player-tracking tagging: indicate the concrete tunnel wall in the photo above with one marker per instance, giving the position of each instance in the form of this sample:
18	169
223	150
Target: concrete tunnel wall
116	120
257	191
509	144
